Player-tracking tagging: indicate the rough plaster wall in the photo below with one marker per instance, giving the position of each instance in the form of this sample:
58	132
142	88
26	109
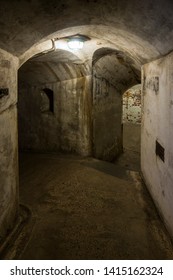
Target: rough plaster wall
132	118
107	111
66	128
8	144
157	124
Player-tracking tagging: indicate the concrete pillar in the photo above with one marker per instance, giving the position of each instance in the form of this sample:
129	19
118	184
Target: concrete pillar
107	114
85	118
8	143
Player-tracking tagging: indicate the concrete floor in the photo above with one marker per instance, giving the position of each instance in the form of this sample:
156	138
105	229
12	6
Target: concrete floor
83	208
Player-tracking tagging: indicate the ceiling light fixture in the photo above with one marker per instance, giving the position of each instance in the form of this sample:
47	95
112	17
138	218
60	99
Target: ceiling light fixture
74	42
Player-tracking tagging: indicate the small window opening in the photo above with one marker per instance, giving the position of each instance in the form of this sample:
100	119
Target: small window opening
47	100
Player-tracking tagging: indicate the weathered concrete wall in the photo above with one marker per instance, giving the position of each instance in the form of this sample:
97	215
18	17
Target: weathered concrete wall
75	115
8	143
113	73
132	119
107	112
66	128
157	125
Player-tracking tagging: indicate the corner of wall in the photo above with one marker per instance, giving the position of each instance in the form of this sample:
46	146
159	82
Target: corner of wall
8	142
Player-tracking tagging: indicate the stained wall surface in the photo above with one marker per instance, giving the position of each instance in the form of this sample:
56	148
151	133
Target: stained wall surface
8	143
107	111
112	74
66	128
157	125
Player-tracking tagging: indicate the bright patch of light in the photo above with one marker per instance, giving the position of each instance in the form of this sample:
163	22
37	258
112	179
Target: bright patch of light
61	44
75	44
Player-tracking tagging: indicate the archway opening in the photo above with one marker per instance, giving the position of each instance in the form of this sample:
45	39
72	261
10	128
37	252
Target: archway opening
51	103
131	122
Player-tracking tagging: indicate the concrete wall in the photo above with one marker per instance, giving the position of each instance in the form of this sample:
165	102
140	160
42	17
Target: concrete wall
66	128
132	119
157	125
113	73
8	143
107	112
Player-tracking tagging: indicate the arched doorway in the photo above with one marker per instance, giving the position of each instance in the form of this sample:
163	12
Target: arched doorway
53	111
131	122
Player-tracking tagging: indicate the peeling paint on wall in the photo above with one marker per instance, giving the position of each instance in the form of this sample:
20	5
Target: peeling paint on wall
132	105
132	119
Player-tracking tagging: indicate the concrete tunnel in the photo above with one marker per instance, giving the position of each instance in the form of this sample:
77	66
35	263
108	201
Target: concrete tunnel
62	104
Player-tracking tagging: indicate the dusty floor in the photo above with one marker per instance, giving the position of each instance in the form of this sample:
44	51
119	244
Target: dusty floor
84	208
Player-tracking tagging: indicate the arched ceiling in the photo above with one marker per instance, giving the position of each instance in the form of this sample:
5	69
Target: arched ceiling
119	58
116	68
143	29
55	66
59	65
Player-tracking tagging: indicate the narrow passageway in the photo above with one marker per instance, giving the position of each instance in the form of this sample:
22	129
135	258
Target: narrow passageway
85	208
